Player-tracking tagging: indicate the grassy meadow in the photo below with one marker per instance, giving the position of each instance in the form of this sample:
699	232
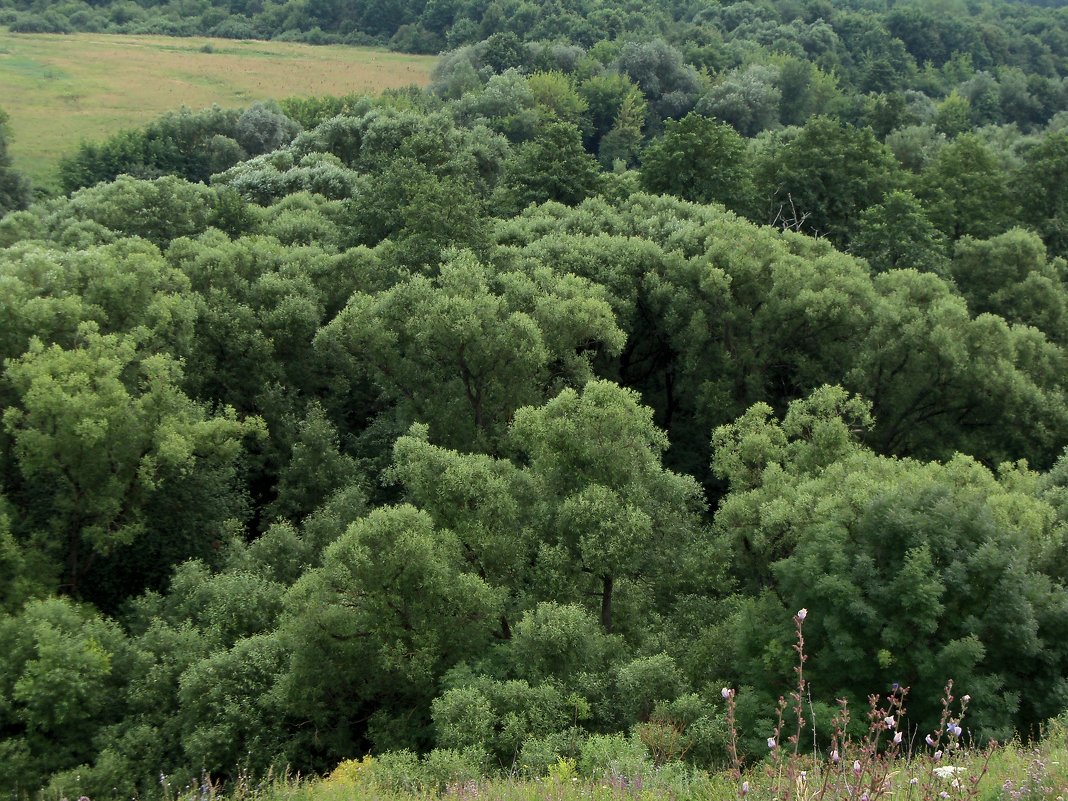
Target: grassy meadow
61	89
1011	772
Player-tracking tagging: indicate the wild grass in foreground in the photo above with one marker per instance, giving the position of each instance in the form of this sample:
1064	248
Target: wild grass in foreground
1005	773
882	765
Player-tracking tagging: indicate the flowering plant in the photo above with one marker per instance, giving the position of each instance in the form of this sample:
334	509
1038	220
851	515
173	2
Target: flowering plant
864	769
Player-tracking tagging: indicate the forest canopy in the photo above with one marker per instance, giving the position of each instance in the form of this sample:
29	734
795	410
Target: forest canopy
511	420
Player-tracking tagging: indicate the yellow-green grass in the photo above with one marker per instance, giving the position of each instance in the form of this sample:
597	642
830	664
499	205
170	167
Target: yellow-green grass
1011	772
62	89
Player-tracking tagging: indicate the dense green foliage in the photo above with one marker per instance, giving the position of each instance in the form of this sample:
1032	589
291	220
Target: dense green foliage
453	426
14	188
608	767
191	145
877	43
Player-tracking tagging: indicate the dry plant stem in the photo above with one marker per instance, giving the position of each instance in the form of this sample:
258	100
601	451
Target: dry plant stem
839	724
863	770
799	694
732	742
788	778
934	740
777	753
974	780
947	700
950	730
812	713
883	719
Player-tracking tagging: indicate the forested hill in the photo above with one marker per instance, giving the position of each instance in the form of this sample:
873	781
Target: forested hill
869	36
510	421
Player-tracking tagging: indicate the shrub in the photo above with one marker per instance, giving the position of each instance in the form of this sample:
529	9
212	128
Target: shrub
398	771
446	766
613	756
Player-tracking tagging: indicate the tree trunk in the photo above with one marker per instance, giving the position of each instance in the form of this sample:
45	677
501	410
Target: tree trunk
606	604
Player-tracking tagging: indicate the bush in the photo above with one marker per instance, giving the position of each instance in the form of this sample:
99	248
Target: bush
398	772
500	717
645	681
263	128
234	28
613	756
539	756
446	766
687	728
416	39
48	22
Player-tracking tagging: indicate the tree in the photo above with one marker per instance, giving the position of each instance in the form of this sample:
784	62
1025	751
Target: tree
552	166
262	128
102	435
259	305
559	643
596	457
122	287
315	471
954	115
159	210
555	92
885	113
746	99
944	382
915	146
498	717
805	89
390	610
981	92
24	575
1009	275
574	514
14	188
228	711
966	190
912	572
701	160
422	214
62	675
825	177
719	313
1040	189
502	51
186	144
621	144
464	350
897	234
505	104
605	96
671	86
132	754
487	502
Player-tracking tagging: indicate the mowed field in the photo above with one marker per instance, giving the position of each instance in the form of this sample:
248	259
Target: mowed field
61	89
